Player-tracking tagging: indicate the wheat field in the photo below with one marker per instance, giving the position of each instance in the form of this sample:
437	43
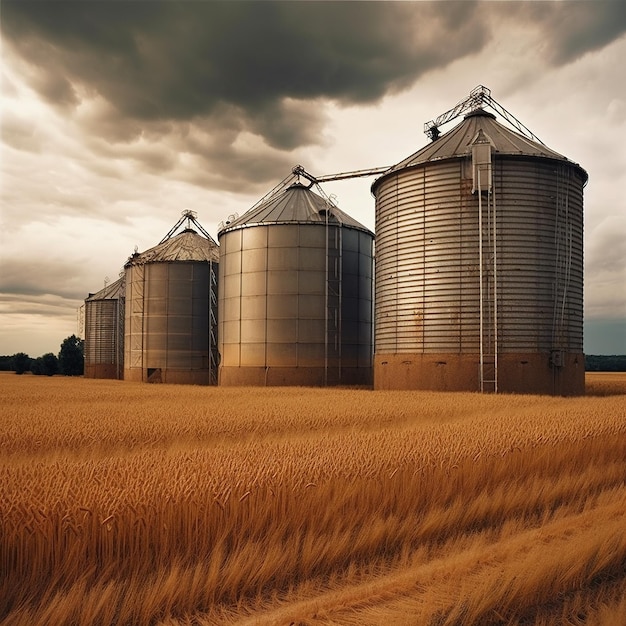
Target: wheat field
128	504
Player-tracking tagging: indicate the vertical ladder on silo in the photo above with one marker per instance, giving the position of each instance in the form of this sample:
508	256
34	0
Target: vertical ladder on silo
487	263
121	312
488	295
332	348
213	354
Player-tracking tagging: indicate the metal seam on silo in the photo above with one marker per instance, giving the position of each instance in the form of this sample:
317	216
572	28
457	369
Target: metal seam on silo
339	273
267	250
325	298
495	286
240	321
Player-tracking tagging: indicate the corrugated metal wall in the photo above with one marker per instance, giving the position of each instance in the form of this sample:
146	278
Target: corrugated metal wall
426	262
104	335
427	272
541	256
171	322
104	332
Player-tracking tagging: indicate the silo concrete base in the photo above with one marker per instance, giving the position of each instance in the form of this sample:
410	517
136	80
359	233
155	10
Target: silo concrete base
101	370
517	373
292	376
169	376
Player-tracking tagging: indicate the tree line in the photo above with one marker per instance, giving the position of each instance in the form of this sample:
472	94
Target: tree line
70	360
605	363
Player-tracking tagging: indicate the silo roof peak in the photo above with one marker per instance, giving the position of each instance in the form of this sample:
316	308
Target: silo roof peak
186	246
112	291
297	204
457	142
480	112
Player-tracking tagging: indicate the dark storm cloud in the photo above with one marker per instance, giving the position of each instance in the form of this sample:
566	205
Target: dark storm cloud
580	27
178	60
287	125
150	81
570	29
36	278
234	171
46	306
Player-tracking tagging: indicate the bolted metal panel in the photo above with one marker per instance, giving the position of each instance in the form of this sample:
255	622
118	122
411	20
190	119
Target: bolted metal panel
299	311
171	312
428	274
104	332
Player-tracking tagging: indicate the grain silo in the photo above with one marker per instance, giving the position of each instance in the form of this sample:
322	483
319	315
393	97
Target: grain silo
171	309
296	281
104	332
479	262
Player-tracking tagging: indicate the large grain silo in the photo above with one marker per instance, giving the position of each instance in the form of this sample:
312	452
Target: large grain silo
171	309
296	281
104	332
479	262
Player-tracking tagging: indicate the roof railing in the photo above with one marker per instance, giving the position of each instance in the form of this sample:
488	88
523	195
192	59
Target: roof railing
479	98
192	218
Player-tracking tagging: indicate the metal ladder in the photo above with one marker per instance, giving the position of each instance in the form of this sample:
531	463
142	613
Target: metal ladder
488	276
332	347
213	351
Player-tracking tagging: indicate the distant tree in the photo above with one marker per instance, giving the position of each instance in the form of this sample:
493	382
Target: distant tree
36	366
6	364
50	364
46	365
20	362
71	359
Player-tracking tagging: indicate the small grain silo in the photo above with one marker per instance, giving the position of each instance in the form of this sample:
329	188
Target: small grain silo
479	262
104	332
296	283
171	309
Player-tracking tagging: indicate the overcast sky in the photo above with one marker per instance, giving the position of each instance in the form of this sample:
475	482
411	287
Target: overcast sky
117	116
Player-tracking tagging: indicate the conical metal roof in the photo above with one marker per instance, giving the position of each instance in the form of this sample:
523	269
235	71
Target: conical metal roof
186	246
297	204
113	291
457	143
